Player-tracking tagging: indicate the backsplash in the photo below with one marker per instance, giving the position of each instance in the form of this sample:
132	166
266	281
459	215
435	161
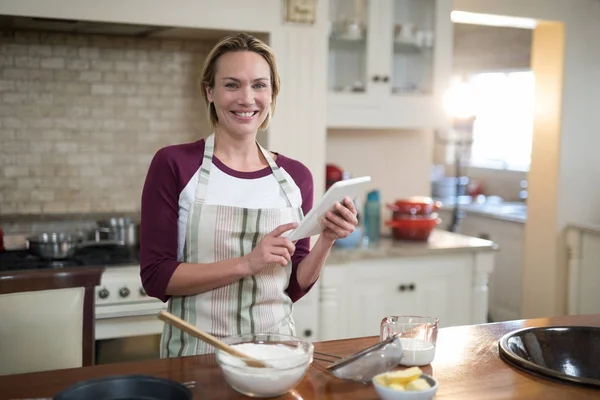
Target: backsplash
82	116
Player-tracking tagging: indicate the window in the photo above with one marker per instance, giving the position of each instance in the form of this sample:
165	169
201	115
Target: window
503	129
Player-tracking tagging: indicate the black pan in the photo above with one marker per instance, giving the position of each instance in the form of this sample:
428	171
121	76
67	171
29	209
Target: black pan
130	387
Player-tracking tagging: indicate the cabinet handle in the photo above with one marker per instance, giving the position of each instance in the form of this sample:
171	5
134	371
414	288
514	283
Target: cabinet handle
402	288
307	333
412	287
385	78
376	78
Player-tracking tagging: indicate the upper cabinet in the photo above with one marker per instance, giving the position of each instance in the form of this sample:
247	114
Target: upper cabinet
389	63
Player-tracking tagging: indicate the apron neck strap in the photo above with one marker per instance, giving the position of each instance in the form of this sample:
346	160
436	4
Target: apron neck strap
206	166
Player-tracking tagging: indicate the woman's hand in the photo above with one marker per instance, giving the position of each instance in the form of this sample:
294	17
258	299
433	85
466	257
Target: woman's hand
272	249
341	223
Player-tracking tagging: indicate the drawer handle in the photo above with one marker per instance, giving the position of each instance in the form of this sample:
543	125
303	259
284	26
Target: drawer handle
402	288
412	287
307	333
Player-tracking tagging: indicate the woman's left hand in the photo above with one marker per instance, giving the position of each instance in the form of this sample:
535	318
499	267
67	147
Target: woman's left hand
341	223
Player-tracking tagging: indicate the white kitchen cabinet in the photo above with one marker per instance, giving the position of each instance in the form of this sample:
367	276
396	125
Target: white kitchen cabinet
389	63
506	281
306	315
583	245
357	295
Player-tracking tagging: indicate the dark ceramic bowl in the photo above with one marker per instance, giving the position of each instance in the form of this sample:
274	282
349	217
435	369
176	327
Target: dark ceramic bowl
564	353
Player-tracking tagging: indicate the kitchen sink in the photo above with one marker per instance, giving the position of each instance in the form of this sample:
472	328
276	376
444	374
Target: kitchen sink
568	354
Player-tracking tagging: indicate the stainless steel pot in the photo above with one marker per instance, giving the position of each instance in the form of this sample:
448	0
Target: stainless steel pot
122	230
58	245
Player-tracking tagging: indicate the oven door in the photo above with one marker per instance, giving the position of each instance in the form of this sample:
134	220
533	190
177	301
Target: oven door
128	332
126	320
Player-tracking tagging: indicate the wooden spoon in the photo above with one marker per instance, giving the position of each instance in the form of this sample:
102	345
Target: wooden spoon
208	338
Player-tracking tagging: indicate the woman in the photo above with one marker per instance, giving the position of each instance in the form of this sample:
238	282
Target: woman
213	213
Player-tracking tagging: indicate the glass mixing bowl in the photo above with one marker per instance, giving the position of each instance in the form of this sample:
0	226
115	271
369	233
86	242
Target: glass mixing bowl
287	359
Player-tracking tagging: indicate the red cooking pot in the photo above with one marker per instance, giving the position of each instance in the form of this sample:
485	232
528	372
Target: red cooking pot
416	205
414	227
333	174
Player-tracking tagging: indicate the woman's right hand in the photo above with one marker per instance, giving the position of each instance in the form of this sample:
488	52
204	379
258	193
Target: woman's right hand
272	249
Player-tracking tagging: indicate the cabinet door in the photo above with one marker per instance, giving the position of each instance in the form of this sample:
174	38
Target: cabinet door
412	25
423	286
306	315
420	60
352	43
334	311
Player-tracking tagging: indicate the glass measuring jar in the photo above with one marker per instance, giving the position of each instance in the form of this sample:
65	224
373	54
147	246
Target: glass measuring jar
418	336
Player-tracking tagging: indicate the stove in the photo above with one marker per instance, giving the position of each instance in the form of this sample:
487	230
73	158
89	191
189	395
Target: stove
122	309
101	255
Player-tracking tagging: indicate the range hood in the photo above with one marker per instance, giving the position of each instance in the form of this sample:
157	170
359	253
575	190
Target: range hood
106	28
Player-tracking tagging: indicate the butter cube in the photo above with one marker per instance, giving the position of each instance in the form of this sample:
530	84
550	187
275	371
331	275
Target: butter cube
397	386
418	384
404	376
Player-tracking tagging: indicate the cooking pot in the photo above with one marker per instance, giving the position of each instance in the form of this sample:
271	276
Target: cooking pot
414	227
58	245
416	205
121	230
131	387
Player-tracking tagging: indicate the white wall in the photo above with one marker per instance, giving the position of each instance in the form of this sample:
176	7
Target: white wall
576	188
398	162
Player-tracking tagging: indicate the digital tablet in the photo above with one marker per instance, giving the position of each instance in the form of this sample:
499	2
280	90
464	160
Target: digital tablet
311	225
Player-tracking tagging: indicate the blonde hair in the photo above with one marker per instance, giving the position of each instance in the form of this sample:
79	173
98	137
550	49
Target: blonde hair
238	42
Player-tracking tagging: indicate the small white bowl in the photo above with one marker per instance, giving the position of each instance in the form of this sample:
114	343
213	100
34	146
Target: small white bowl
386	393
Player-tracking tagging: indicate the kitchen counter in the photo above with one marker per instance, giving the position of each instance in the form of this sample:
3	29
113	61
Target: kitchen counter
467	366
588	228
439	242
507	211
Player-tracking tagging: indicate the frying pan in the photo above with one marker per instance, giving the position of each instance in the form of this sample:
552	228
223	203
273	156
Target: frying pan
130	387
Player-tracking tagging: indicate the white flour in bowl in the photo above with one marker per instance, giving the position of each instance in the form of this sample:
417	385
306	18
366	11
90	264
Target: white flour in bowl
286	367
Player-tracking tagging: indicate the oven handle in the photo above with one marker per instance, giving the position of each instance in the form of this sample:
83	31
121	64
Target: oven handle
126	314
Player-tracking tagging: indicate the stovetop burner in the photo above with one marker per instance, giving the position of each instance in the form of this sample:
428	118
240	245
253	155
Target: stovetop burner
108	255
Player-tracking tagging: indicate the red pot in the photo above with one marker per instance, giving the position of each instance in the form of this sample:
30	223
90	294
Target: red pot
415	227
417	205
333	174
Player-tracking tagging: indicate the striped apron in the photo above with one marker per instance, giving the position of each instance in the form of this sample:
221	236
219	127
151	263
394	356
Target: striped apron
254	304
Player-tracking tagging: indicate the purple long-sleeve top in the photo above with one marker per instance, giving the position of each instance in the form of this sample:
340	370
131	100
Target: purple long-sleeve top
169	173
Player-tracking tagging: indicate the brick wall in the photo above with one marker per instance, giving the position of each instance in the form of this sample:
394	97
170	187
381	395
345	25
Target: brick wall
82	116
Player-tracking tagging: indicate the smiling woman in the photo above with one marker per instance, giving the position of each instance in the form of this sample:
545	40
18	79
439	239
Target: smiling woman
213	212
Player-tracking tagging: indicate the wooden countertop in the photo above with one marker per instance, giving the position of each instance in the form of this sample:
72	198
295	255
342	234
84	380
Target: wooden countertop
467	366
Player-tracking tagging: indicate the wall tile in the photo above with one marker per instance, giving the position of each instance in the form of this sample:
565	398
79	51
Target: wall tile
82	116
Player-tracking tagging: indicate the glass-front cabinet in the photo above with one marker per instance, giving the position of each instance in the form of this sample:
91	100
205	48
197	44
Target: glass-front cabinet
389	63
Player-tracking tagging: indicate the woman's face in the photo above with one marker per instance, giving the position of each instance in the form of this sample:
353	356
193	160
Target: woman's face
242	92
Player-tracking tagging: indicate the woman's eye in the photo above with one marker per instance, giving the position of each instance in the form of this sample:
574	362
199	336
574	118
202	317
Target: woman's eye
230	85
260	86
